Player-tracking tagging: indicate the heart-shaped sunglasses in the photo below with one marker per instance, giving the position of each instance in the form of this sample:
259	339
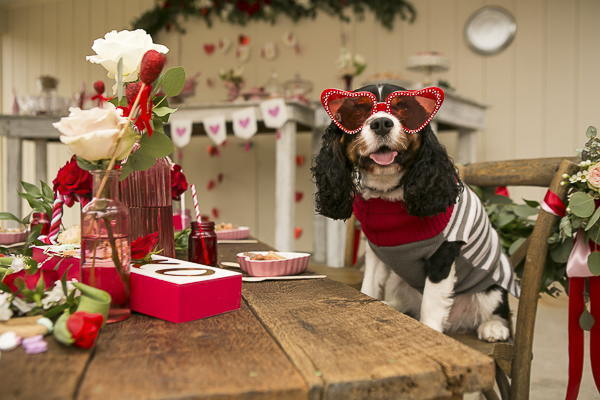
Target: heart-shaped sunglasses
414	108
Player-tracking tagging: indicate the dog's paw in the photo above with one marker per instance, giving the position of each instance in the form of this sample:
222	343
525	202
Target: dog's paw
493	331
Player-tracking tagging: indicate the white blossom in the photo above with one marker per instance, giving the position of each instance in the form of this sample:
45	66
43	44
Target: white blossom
23	306
17	264
5	311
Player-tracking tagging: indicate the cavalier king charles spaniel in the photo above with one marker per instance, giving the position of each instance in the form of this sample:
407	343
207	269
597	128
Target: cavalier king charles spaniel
432	252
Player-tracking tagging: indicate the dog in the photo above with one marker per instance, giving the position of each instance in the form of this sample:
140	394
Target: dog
432	252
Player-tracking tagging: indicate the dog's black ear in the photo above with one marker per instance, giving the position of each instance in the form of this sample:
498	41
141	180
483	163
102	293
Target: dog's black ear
332	174
431	184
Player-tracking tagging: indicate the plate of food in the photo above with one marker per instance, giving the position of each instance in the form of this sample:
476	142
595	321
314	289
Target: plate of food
273	263
11	236
227	231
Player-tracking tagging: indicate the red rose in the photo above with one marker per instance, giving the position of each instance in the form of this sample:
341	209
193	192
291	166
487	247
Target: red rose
73	183
178	182
84	327
31	281
140	247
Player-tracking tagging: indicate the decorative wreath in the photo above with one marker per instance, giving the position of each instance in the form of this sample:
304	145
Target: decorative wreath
167	13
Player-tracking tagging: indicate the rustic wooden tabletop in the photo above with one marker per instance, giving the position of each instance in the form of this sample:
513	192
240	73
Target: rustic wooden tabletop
302	339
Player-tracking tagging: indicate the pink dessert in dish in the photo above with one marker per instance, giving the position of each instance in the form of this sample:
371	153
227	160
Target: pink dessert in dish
12	237
233	234
291	264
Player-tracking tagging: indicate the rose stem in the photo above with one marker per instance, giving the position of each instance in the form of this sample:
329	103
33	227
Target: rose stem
119	139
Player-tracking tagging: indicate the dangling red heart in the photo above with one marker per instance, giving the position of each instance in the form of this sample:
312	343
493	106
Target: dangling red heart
210	185
299	196
299	161
220	178
215	212
211	150
209	48
224	144
243	40
297	232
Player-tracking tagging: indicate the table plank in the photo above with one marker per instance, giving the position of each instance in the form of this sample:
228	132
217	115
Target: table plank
53	375
350	346
225	357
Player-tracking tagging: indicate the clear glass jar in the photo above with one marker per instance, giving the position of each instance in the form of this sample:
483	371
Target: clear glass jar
105	251
202	246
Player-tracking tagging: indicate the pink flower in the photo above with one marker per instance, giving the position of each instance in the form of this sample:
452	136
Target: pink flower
593	177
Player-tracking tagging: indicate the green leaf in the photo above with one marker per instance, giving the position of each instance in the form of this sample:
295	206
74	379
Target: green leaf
173	81
593	262
591	132
139	161
532	203
593	220
63	280
125	171
31	189
47	192
34	203
87	165
157	146
35	232
582	204
54	311
565	226
10	217
561	253
5	288
497	199
478	191
162	111
515	246
504	218
491	208
586	321
525	211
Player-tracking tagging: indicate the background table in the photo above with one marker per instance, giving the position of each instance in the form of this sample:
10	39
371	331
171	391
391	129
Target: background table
311	339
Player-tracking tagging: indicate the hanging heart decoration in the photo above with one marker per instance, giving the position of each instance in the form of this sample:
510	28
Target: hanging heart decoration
299	161
220	178
299	196
210	185
297	232
209	48
215	212
243	40
224	45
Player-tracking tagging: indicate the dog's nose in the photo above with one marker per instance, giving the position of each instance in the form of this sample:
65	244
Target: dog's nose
381	126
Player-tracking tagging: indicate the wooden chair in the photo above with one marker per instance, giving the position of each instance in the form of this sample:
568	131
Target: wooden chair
513	359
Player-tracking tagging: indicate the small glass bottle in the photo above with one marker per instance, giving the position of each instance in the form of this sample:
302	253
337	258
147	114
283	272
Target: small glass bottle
40	218
202	247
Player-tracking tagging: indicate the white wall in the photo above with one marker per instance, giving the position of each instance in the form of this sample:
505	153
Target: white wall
541	90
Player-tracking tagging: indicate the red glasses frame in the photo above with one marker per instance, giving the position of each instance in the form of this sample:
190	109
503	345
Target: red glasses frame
425	95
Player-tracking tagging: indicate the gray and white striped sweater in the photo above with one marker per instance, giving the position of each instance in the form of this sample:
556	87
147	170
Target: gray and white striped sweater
481	262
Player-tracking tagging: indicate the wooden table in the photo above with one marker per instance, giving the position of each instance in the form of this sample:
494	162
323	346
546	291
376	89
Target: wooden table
303	339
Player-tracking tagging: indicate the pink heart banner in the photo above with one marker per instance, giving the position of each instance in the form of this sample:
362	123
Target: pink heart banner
244	123
215	128
274	113
181	131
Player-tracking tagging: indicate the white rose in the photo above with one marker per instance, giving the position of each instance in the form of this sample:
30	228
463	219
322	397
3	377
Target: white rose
91	134
54	297
69	236
128	45
23	306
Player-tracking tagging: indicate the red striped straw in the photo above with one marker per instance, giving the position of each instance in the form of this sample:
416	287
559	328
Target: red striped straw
199	219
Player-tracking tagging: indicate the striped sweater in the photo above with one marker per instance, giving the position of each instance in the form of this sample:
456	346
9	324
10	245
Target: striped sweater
404	242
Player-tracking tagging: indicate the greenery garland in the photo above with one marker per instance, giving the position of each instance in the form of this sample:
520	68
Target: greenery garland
167	14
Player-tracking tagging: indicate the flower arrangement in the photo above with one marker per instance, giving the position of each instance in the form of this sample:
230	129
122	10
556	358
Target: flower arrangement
350	65
581	221
168	14
233	79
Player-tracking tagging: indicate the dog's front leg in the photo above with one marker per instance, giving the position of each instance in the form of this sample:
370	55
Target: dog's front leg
376	275
438	293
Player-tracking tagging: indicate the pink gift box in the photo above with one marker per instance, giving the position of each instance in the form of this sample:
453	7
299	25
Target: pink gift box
53	259
182	291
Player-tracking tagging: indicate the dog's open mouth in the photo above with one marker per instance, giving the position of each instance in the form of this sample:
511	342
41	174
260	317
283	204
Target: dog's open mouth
384	156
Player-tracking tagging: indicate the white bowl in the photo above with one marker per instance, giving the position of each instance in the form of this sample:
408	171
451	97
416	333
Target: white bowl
294	263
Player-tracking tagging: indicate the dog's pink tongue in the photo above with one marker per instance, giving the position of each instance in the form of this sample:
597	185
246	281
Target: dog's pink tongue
384	158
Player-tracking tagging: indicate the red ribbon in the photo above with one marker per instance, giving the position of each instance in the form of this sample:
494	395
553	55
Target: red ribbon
576	308
553	204
143	120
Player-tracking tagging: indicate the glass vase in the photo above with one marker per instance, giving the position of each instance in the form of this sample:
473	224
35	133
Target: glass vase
147	194
105	251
